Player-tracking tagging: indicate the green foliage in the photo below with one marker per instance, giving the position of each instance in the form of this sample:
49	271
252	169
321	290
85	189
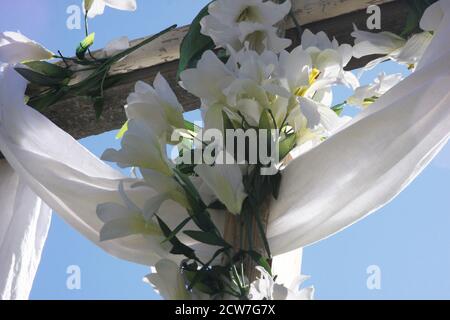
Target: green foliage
84	46
194	43
99	103
339	108
49	69
265	121
417	8
56	78
178	248
37	78
287	144
210	238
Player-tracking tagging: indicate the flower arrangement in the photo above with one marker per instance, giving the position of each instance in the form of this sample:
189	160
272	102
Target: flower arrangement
212	188
270	105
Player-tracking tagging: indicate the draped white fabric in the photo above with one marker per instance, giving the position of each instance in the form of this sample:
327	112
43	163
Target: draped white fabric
24	223
374	158
325	190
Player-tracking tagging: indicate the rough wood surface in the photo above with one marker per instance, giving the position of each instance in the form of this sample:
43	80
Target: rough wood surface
236	234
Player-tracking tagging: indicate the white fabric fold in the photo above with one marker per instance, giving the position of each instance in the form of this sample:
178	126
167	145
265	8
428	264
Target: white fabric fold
24	223
368	163
70	179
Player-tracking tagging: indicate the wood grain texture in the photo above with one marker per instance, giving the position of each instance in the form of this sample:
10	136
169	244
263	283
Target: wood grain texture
336	17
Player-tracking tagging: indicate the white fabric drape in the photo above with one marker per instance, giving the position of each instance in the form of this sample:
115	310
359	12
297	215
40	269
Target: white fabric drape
325	190
24	223
372	160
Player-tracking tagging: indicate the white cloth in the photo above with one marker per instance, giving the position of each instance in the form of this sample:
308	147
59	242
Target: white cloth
325	190
24	223
372	160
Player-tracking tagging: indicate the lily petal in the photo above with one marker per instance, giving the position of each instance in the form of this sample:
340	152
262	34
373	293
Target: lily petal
16	48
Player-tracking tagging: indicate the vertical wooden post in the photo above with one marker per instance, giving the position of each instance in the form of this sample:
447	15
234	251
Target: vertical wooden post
236	234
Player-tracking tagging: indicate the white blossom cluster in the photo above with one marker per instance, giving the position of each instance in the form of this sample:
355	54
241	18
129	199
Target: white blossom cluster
259	76
296	87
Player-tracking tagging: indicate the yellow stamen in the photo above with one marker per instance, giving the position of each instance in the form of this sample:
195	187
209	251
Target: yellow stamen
301	91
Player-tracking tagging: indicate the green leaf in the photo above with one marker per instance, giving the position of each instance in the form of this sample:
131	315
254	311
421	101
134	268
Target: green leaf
265	121
49	69
207	238
177	229
188	125
38	78
45	100
217	205
416	11
122	131
287	145
194	43
99	103
227	123
88	5
339	108
276	184
128	51
178	248
84	46
260	260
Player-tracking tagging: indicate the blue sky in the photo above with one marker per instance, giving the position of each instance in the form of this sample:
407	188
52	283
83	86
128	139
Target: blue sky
408	239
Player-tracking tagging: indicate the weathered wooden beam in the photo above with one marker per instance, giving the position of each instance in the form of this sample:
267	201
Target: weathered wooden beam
335	17
76	115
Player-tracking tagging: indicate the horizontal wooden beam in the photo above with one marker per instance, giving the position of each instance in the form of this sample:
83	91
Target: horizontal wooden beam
75	115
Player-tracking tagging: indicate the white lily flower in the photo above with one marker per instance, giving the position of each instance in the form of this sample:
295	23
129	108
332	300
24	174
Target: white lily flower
365	95
166	186
226	182
369	43
142	146
296	68
257	82
128	221
157	106
235	23
168	281
206	194
260	38
414	49
391	46
208	80
121	221
250	99
432	17
266	288
312	122
330	59
97	7
16	48
321	41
